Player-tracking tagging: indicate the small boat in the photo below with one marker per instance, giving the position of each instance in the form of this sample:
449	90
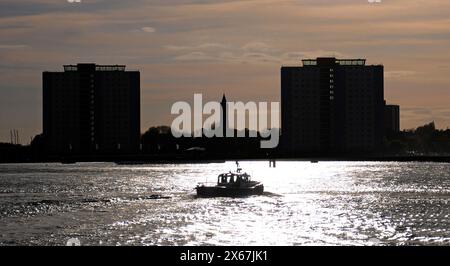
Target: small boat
231	184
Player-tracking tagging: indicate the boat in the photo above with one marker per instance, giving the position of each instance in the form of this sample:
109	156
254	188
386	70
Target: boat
231	184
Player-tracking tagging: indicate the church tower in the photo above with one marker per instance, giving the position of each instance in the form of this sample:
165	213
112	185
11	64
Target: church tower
224	121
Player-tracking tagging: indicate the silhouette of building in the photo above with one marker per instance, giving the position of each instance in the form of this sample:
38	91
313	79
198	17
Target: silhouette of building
392	119
90	109
224	121
332	105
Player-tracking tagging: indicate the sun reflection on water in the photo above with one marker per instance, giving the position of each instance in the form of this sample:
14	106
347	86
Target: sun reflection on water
325	203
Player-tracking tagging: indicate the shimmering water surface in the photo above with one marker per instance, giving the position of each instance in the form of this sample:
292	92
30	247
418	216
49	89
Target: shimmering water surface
328	203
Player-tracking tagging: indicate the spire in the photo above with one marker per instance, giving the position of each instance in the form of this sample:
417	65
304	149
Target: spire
224	115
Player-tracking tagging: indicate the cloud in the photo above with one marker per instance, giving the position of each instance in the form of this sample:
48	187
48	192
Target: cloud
399	74
212	46
253	52
420	115
204	46
249	53
194	56
417	110
148	29
296	57
314	54
221	37
260	57
176	47
258	47
13	8
13	46
229	57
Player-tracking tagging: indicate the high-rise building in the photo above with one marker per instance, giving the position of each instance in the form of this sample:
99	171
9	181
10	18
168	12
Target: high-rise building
332	105
91	109
392	119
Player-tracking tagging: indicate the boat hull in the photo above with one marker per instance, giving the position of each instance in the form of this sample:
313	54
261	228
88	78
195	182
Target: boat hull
223	191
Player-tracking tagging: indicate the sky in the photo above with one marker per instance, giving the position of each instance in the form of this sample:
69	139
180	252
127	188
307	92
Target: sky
237	47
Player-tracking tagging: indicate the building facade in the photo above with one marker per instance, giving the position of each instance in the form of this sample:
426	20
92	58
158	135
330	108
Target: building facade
332	105
392	119
91	109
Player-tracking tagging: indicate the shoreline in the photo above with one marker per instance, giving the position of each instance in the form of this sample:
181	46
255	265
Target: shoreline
138	160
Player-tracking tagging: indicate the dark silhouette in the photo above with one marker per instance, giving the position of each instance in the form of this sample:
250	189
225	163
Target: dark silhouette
224	121
159	140
331	109
391	119
91	109
425	140
426	143
332	105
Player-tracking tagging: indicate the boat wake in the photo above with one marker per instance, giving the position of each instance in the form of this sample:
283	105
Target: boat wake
30	208
271	194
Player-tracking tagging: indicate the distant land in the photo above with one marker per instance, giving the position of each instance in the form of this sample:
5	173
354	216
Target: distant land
425	143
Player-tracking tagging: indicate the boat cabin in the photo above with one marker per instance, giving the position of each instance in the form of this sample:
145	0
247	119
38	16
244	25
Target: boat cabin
233	178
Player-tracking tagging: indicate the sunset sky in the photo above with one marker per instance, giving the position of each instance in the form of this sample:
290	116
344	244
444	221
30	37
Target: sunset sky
212	47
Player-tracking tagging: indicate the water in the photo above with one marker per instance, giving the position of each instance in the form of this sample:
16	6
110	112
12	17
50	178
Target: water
329	203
